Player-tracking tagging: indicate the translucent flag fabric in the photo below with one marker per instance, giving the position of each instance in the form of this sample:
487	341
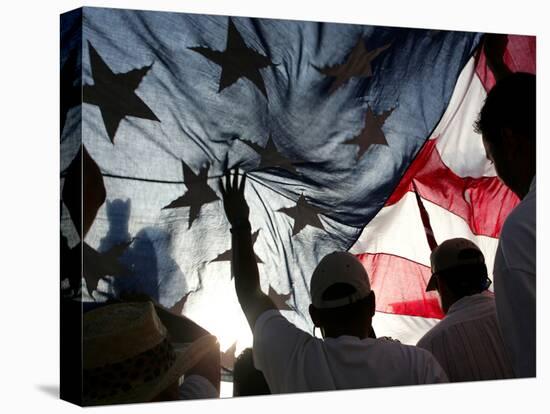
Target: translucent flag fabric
324	118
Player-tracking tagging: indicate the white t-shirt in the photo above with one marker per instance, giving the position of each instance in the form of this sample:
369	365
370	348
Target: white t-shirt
467	343
294	361
515	284
195	387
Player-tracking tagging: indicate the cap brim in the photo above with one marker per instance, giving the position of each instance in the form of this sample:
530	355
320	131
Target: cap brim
432	283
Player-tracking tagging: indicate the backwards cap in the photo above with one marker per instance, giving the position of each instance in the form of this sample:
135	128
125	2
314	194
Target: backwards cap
338	268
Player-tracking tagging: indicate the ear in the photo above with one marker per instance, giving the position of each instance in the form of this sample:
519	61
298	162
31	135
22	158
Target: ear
315	315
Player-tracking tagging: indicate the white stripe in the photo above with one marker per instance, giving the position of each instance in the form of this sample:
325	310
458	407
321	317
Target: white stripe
461	148
407	329
398	230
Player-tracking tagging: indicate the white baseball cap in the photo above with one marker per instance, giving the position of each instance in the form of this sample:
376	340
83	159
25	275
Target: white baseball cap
339	267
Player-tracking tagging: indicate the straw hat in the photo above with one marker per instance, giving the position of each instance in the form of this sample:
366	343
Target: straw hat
127	357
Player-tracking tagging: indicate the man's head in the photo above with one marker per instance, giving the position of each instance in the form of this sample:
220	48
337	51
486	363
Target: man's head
342	300
458	270
507	123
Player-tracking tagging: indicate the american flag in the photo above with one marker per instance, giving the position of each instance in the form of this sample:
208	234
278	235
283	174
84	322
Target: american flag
347	133
456	186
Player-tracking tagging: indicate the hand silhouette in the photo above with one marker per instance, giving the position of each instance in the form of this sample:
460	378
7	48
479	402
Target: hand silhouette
494	46
235	205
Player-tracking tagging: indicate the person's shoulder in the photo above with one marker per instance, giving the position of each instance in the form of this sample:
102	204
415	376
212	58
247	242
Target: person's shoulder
268	316
405	350
519	229
272	323
524	213
414	357
418	356
429	337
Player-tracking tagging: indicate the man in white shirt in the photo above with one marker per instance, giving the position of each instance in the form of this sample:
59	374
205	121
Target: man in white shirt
342	307
507	123
467	342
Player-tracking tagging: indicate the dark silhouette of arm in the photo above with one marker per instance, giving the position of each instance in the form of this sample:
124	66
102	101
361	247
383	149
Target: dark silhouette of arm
494	46
243	264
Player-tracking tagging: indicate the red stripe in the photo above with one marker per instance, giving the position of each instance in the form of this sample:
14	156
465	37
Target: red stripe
519	56
484	203
399	285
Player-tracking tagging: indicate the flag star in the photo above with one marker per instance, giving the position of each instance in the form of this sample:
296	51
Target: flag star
83	186
114	93
198	192
177	308
303	214
227	358
237	61
228	254
270	157
279	300
358	64
371	133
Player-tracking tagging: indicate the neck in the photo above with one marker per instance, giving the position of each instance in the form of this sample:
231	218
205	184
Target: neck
337	331
447	301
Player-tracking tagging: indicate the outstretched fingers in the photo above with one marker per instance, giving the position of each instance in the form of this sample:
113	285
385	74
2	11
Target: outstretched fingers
232	185
228	181
235	179
241	187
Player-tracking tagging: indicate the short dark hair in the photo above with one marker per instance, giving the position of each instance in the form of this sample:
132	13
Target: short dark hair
511	103
465	280
247	380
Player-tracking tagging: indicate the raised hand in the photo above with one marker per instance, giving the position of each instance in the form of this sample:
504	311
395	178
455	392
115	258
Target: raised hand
234	203
494	46
243	263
